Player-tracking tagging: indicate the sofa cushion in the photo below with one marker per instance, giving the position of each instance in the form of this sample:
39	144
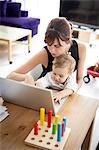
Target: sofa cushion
24	13
3	5
13	9
22	22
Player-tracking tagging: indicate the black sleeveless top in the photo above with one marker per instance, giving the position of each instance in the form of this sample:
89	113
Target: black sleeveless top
73	51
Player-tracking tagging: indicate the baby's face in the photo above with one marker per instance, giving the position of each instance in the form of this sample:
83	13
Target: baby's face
59	75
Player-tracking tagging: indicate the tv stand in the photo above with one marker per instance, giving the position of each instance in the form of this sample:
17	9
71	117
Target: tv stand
85	34
82	34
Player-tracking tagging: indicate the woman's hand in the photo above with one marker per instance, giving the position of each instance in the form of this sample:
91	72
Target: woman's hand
29	79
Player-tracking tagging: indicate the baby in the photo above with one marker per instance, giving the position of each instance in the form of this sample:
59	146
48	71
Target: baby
61	77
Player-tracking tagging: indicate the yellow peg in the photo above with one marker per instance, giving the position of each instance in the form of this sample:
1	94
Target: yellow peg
57	119
42	116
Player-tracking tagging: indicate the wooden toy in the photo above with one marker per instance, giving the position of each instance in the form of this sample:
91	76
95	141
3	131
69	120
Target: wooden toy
45	139
59	132
36	128
49	118
63	129
64	120
48	135
54	128
42	116
57	119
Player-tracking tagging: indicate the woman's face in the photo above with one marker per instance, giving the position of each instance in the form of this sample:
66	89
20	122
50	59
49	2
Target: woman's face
57	49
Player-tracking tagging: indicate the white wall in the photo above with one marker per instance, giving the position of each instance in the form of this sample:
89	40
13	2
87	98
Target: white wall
43	9
48	9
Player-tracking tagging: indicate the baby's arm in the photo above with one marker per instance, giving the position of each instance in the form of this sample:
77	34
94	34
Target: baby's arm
71	87
62	94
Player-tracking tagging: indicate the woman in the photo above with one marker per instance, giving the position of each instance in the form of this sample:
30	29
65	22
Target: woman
58	38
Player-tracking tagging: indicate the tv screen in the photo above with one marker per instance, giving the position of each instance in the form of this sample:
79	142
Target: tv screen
81	12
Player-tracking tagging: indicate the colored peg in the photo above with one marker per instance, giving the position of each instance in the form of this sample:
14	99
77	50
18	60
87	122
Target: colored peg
42	116
63	129
49	118
64	120
54	128
36	128
59	132
57	119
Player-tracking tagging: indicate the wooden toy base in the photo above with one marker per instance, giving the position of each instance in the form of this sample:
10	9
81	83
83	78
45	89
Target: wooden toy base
45	139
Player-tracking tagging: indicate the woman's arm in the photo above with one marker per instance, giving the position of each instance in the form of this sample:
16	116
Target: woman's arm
80	68
19	74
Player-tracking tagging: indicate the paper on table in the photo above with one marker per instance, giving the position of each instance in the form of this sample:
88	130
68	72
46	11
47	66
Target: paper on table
3	113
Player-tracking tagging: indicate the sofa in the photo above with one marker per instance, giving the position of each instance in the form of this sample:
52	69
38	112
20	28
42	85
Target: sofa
12	15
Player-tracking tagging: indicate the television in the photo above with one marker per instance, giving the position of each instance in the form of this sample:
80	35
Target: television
81	12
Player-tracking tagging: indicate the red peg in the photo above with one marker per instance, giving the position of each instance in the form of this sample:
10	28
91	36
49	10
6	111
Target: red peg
62	128
36	128
49	118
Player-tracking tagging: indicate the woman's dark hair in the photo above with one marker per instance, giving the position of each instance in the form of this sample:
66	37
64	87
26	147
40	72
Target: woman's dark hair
58	28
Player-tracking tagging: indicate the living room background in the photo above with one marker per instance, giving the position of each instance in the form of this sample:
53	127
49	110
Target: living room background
43	9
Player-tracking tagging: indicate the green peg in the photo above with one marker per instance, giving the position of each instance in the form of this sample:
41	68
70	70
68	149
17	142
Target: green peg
54	128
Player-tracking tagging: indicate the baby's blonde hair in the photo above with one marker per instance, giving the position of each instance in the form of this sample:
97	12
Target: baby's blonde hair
65	61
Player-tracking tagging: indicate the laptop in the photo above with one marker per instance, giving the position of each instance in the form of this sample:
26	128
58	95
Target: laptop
28	96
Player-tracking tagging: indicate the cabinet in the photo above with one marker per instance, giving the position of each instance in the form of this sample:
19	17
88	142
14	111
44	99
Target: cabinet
84	35
97	34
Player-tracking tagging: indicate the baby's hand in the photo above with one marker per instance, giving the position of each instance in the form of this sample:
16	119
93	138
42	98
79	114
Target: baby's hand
56	101
57	97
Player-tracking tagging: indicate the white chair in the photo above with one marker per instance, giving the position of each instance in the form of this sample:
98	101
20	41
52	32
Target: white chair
94	141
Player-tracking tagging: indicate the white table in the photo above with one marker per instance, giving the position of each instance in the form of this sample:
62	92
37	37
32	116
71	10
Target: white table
11	34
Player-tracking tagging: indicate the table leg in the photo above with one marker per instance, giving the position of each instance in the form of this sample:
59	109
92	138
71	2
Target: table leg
29	40
86	142
10	52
